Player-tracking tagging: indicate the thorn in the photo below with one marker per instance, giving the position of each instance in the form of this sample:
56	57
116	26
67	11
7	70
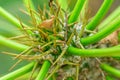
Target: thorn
15	64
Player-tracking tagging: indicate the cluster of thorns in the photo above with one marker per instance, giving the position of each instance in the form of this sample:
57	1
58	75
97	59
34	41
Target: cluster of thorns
49	40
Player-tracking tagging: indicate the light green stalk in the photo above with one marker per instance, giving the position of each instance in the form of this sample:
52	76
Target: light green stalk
10	18
45	67
103	33
110	70
76	11
115	51
13	75
12	44
110	18
99	15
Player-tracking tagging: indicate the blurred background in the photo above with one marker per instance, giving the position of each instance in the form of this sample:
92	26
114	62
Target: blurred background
8	30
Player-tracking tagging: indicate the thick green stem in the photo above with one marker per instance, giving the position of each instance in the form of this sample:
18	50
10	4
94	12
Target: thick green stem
45	67
12	44
10	18
115	51
76	11
13	75
110	18
110	70
103	33
99	15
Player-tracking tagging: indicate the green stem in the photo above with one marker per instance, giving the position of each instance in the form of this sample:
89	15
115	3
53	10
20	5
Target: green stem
99	15
76	11
84	9
13	75
9	17
110	18
84	20
12	19
12	44
110	70
45	67
103	33
52	73
115	51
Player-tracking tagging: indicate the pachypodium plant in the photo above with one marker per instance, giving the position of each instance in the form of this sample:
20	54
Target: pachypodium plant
61	43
